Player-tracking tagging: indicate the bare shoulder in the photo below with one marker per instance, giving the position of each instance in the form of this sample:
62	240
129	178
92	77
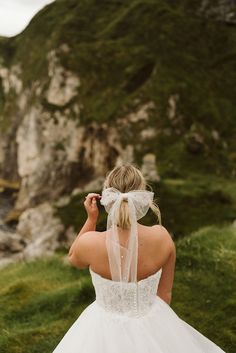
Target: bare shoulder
84	248
164	236
90	238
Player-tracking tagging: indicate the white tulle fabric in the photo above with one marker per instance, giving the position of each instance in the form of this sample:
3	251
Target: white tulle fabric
103	327
123	260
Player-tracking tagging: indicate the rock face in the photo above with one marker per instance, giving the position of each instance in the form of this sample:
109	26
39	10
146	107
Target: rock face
83	101
221	10
11	242
47	149
54	154
14	105
52	150
63	83
39	233
10	79
41	230
149	167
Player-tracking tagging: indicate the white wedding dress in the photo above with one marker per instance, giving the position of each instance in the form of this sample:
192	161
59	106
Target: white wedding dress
148	325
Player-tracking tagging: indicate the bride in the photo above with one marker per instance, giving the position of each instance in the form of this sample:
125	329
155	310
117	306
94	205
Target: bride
132	270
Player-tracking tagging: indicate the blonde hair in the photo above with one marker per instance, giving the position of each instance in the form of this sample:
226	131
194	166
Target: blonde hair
125	178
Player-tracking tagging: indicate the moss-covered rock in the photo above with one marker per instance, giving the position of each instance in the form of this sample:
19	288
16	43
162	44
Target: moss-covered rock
145	77
128	53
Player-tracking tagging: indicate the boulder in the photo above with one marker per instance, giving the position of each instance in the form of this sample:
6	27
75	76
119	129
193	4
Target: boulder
149	167
42	230
11	242
63	83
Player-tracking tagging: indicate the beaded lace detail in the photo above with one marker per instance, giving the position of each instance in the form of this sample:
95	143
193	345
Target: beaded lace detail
139	296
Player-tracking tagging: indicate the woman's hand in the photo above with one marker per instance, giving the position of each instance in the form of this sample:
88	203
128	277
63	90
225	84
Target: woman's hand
90	205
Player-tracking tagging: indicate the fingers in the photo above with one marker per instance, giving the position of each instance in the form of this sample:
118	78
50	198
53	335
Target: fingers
94	203
92	195
91	198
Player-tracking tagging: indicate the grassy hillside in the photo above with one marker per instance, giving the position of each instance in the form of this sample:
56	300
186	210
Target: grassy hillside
128	53
186	204
42	299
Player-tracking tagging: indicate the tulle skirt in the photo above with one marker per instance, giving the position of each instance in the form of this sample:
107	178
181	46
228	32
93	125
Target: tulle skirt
159	331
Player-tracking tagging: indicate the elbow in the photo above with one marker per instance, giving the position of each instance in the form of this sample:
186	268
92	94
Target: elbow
75	262
71	259
70	252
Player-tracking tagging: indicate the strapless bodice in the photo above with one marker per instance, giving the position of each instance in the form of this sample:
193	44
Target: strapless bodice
138	297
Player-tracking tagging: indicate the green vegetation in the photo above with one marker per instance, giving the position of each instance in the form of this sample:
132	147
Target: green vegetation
40	300
129	53
205	283
185	204
126	54
191	203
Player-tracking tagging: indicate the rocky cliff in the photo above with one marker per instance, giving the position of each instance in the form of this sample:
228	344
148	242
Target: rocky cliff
89	85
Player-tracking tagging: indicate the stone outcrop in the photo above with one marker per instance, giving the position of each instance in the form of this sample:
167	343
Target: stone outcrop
11	242
65	122
64	84
56	154
38	233
10	78
220	10
149	167
41	230
50	151
55	157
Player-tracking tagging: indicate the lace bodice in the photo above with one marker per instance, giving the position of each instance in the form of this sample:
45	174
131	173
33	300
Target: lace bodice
139	296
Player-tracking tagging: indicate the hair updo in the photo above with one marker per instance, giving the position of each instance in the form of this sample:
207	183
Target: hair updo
125	178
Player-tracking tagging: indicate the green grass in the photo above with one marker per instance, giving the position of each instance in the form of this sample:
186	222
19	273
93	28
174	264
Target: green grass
127	54
186	204
190	203
205	283
40	300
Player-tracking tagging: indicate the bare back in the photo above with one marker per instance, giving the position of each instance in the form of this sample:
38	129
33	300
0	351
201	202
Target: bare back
156	250
153	251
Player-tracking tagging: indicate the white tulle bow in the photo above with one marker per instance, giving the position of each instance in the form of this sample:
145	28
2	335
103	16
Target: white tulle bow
123	260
